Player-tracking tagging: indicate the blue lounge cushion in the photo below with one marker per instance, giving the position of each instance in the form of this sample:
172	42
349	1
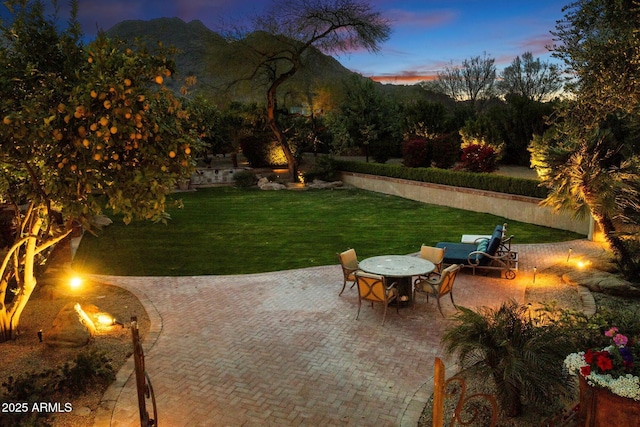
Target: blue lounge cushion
458	253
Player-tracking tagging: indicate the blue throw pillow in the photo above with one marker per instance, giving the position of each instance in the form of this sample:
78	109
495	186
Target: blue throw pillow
482	247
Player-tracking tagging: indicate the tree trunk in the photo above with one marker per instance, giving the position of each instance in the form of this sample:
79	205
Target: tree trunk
24	251
608	228
292	162
10	316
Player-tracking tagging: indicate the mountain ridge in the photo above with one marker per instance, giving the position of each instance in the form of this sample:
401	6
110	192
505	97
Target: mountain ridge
222	74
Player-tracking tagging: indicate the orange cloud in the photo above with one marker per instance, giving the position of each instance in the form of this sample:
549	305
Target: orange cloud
407	78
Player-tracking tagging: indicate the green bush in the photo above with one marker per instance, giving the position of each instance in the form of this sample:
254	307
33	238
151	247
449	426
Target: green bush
324	168
245	178
480	181
89	367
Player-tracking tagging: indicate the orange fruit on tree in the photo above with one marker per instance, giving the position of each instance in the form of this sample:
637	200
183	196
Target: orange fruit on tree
172	154
113	130
107	104
73	167
85	142
187	150
7	120
159	80
127	82
97	156
115	156
104	121
94	94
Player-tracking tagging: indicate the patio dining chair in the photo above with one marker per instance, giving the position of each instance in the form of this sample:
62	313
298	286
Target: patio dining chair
433	254
349	263
437	285
374	289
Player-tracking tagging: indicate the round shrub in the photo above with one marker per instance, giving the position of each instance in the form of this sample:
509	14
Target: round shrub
445	149
479	158
245	178
416	153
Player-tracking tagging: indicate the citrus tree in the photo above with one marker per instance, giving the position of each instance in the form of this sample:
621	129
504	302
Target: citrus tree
83	128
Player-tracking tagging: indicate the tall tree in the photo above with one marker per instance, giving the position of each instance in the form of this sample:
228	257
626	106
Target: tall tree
83	127
530	78
599	42
297	26
472	81
590	160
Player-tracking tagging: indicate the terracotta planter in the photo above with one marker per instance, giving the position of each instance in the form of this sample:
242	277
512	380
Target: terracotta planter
601	408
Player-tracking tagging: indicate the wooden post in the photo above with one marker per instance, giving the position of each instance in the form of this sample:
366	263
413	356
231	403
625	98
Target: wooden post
138	359
438	393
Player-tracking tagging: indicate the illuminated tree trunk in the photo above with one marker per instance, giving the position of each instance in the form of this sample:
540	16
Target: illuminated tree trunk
272	110
19	264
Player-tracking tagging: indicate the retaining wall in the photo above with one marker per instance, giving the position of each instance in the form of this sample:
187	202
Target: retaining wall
508	206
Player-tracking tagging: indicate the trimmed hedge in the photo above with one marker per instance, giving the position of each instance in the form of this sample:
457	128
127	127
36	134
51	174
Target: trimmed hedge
479	181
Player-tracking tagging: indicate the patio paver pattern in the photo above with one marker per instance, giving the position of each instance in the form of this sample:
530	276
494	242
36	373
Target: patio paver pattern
283	349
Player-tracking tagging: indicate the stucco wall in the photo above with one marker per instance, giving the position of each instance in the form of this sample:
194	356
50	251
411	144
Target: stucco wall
517	208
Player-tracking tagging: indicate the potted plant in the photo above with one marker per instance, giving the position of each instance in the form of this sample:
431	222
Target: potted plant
609	381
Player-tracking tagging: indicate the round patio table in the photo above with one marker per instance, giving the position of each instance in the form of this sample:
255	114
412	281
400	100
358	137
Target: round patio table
400	267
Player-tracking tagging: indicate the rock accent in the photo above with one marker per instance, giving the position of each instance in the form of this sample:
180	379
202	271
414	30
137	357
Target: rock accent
323	184
602	281
70	328
101	221
272	186
265	184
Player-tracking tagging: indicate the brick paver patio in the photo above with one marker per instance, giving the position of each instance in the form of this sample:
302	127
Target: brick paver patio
283	349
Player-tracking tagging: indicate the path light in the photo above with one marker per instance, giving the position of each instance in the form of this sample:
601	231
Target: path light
106	320
583	264
535	270
569	254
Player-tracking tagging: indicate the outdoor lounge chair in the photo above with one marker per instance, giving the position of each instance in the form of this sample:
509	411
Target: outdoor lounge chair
373	288
493	253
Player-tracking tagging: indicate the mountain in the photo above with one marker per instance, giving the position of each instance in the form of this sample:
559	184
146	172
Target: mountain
224	70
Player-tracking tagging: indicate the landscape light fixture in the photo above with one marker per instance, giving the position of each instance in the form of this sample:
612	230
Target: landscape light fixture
569	254
535	270
75	283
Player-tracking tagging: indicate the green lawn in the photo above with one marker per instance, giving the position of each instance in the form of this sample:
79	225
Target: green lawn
232	231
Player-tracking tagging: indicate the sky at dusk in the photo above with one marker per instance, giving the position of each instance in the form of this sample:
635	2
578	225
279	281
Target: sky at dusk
426	34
